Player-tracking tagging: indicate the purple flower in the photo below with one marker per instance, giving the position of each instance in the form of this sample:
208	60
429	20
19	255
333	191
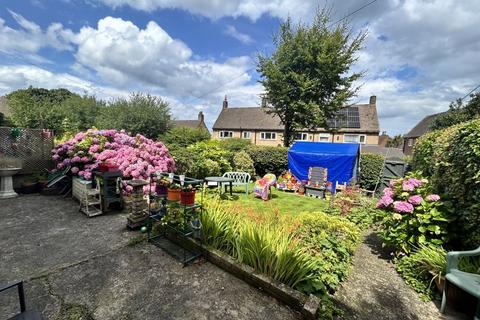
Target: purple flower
433	197
402	207
407	186
415	200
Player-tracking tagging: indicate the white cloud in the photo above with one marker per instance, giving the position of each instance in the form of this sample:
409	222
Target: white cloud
21	76
234	33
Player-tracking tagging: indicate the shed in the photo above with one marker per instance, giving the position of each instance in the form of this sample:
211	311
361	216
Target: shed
341	159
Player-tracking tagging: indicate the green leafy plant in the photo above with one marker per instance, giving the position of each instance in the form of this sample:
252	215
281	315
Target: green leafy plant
269	159
243	162
181	137
371	169
416	217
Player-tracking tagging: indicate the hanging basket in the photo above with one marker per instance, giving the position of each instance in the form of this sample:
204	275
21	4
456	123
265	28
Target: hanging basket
187	198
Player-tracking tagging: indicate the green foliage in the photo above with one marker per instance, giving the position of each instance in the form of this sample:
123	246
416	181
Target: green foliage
416	277
395	142
182	137
311	253
207	159
308	77
371	169
269	159
414	218
451	158
243	163
139	113
458	113
330	242
235	144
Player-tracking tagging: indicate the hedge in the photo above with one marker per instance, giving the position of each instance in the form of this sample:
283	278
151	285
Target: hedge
269	159
371	169
451	158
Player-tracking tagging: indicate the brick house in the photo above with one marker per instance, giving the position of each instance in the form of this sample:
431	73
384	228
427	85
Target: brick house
359	123
198	123
419	130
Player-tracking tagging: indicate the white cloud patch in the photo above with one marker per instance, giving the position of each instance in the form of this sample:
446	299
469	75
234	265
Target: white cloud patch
234	33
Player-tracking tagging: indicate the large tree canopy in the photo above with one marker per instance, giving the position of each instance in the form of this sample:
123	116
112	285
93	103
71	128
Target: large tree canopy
308	77
139	113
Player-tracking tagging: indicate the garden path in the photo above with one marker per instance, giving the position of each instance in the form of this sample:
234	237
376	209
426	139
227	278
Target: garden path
374	290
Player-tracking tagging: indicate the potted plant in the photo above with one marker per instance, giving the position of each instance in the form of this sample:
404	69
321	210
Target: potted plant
161	187
187	195
173	192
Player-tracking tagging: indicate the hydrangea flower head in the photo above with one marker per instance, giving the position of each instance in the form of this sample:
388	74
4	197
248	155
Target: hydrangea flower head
433	198
402	207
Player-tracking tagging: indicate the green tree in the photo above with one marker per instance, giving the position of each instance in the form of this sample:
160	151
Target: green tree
37	107
139	113
458	113
181	137
243	162
395	142
308	77
78	113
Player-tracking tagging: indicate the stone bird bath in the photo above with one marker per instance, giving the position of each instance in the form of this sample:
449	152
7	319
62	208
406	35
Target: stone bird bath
6	182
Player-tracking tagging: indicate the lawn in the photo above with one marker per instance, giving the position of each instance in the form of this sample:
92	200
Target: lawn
281	201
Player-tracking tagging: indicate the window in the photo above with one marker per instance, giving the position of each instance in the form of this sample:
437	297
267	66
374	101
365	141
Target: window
301	136
226	134
246	135
268	135
410	142
355	138
324	137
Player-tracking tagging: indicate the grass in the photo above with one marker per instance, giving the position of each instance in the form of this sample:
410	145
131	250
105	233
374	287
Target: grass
281	201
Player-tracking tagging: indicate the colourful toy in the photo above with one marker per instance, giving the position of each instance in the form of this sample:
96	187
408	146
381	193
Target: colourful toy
262	186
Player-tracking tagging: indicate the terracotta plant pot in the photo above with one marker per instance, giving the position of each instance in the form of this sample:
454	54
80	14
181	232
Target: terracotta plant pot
187	198
173	194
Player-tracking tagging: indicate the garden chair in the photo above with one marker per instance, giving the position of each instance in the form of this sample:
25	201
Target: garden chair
317	180
468	282
24	313
239	179
262	187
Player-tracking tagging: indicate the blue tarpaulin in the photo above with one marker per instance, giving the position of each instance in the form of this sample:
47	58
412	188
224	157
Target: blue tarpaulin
341	159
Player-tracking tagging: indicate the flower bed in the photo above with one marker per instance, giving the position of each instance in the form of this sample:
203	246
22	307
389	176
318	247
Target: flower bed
137	157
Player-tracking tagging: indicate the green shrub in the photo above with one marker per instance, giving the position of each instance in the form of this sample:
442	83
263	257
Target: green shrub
416	217
208	159
235	144
243	163
451	158
330	241
181	137
269	159
371	169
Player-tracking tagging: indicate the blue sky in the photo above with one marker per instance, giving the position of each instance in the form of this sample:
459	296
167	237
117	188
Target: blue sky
419	55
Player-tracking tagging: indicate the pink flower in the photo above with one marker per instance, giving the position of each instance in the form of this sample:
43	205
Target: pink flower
392	183
87	175
384	202
55	157
407	186
75	170
388	192
76	159
415	182
433	197
415	200
402	207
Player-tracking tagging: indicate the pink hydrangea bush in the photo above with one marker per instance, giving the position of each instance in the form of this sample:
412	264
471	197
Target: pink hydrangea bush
136	156
412	214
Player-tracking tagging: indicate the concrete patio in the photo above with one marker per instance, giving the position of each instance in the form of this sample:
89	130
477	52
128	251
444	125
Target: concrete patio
78	266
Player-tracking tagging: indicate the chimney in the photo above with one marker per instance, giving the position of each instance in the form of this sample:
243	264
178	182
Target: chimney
264	102
225	103
373	100
201	117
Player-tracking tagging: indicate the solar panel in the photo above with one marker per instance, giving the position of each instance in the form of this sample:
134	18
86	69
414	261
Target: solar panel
348	117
